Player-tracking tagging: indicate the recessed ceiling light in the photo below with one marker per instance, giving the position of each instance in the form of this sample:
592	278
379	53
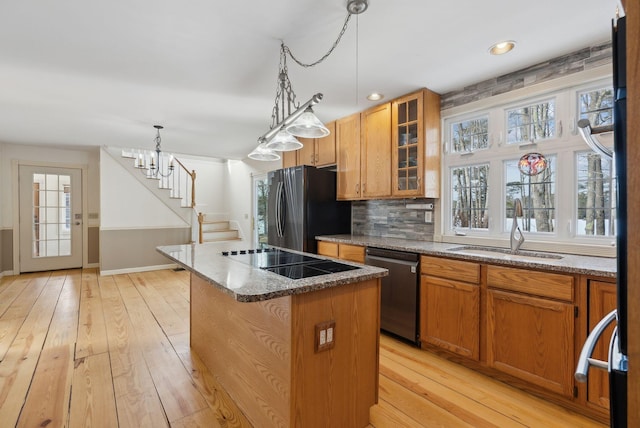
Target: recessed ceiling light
502	47
375	96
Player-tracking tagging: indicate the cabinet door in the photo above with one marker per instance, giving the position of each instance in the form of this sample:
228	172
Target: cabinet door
325	153
602	300
307	154
532	339
408	146
450	315
376	152
348	157
289	159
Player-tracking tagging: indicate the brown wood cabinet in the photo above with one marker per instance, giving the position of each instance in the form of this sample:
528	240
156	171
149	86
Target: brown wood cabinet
530	326
319	152
375	171
602	300
348	157
354	253
416	145
289	158
391	150
450	305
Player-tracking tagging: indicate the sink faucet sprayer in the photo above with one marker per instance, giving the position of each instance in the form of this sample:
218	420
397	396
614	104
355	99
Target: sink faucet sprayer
516	243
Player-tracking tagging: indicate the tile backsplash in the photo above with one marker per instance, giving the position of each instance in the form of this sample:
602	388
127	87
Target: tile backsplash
391	219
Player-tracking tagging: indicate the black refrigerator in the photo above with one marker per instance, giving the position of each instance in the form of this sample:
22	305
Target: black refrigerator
617	364
301	205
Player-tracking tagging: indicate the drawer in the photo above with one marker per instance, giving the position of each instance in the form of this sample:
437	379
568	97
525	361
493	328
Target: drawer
551	285
329	249
354	253
450	269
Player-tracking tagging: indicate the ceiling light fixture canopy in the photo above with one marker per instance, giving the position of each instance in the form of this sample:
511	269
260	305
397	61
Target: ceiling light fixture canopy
289	119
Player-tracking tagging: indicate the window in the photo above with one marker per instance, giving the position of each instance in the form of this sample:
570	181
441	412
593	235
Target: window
470	135
597	106
596	195
531	123
537	193
469	196
571	202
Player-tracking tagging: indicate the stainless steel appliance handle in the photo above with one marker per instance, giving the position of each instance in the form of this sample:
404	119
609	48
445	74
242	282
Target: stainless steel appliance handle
278	210
585	359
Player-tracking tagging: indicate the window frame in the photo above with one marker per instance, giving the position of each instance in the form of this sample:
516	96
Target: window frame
565	146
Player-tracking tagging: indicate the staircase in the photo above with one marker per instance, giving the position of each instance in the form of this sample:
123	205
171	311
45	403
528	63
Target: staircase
177	191
216	228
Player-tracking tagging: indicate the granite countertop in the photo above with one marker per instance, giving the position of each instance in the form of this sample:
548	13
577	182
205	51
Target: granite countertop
568	263
249	284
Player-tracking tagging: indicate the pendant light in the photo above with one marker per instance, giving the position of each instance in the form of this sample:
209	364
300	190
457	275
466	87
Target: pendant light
301	122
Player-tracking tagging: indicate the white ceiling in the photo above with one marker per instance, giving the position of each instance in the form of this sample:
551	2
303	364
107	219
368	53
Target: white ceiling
87	73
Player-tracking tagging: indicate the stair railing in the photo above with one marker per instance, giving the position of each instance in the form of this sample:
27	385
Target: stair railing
189	179
200	221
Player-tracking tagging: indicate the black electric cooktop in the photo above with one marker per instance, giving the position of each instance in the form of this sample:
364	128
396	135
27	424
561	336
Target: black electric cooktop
286	263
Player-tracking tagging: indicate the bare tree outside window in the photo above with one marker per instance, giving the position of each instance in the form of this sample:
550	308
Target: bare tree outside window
531	123
537	193
596	182
470	135
469	196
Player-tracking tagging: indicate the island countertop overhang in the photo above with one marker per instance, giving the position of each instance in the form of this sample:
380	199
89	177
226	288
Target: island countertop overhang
249	284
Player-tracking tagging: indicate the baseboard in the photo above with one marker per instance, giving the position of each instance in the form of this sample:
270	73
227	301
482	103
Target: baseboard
6	273
137	269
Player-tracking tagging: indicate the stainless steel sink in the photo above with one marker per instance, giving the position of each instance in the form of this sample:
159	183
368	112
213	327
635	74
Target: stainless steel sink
505	254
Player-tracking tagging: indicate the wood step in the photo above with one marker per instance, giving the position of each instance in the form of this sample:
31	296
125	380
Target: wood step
220	235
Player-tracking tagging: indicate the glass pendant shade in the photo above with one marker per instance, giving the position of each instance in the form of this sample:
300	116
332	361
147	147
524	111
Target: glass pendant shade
308	126
262	153
284	142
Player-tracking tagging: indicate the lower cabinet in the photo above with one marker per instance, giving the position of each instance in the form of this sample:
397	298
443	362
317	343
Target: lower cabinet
450	304
530	331
602	300
353	253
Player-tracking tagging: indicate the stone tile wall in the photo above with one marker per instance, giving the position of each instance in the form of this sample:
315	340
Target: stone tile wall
390	218
575	62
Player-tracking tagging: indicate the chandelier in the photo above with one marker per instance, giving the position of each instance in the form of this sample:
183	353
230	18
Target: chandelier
289	119
153	167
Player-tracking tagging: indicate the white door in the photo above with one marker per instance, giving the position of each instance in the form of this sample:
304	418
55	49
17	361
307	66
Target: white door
50	218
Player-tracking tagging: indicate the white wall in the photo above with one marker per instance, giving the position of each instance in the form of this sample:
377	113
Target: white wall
240	192
211	176
126	204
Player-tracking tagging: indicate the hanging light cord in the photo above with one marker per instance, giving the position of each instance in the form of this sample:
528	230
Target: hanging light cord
286	49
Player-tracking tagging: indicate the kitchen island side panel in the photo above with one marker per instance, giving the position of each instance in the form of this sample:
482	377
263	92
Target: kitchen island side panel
336	387
246	347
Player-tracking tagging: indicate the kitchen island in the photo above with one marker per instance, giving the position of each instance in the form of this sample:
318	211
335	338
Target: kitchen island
289	352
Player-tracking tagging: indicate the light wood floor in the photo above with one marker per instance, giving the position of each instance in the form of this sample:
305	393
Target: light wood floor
79	350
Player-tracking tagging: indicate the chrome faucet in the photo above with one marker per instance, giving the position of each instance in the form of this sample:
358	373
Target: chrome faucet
516	242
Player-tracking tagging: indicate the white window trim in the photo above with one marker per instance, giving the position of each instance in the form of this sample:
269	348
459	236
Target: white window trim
564	146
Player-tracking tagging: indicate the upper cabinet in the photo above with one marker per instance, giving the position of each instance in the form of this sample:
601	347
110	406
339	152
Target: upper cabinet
363	142
319	152
348	157
375	138
416	145
391	150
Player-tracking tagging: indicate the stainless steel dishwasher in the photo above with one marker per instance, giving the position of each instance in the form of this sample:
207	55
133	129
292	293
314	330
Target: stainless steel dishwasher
400	291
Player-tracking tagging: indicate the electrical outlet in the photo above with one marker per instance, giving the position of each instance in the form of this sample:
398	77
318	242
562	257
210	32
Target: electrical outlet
428	217
325	335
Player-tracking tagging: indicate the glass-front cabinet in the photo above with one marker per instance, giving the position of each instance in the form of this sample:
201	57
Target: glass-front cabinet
416	145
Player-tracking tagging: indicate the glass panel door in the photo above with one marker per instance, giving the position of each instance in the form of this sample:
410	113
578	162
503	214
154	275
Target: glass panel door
50	218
